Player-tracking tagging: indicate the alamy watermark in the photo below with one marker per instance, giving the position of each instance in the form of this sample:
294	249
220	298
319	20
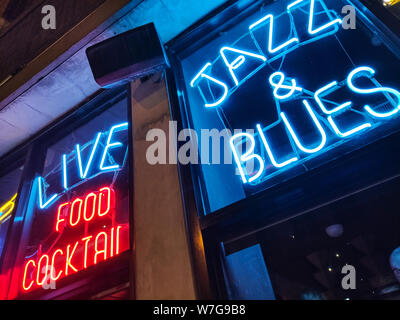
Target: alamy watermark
49	20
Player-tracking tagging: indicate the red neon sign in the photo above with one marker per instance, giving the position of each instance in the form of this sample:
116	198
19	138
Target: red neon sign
84	210
89	250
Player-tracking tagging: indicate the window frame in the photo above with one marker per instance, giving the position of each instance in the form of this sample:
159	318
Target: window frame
232	222
82	284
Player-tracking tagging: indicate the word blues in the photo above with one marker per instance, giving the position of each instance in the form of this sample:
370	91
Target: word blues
326	118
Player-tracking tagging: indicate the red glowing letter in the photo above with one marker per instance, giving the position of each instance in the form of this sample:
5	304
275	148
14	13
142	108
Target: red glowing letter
108	201
104	251
60	210
80	201
26	288
69	258
87	239
52	265
91	207
118	229
39	270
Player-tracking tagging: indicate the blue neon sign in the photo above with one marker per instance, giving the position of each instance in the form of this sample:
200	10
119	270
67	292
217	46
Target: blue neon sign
100	148
299	80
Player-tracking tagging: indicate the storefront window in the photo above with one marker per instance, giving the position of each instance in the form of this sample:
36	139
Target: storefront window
9	184
81	203
291	86
346	250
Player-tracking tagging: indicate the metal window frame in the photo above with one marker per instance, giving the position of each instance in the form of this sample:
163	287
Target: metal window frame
84	283
233	222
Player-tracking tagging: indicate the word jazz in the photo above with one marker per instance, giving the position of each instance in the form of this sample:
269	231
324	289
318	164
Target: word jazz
84	167
237	60
78	255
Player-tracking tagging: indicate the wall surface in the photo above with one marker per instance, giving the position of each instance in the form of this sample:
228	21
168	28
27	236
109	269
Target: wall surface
162	259
67	81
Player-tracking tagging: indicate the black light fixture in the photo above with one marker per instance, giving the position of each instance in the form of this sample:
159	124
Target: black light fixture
133	54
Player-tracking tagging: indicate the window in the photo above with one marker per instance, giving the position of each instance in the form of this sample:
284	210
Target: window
354	241
73	230
9	184
288	86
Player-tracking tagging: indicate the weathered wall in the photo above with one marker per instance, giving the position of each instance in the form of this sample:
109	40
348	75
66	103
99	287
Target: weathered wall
162	259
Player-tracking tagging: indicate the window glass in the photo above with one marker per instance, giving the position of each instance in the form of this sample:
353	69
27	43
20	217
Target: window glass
347	250
81	211
9	184
296	84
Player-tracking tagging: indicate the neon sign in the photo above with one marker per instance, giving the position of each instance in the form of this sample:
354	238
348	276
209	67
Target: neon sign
7	209
347	106
89	250
106	164
87	226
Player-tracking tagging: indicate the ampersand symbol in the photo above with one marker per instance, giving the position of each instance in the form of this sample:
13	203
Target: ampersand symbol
280	86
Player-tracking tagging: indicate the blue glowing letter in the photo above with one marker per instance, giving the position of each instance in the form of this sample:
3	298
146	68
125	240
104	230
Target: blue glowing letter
41	194
247	156
270	17
324	91
369	72
280	85
311	29
239	60
78	154
317	124
269	151
201	74
64	165
311	18
119	127
350	132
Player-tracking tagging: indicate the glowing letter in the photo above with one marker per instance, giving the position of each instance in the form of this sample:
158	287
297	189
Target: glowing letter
247	156
269	151
26	288
69	258
64	164
7	208
53	265
104	251
317	124
87	239
324	91
118	234
39	270
201	74
349	132
71	215
311	18
238	61
270	17
109	202
109	145
79	157
311	29
48	202
92	196
369	72
59	219
278	86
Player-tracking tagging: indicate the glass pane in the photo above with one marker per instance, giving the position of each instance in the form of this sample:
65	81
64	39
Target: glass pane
81	202
294	98
8	191
347	250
